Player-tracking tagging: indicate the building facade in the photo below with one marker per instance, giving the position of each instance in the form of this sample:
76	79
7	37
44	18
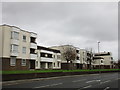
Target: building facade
48	58
17	48
64	64
103	60
86	58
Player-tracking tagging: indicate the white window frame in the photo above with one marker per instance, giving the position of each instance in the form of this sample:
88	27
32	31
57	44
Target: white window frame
24	50
14	35
13	48
23	63
12	61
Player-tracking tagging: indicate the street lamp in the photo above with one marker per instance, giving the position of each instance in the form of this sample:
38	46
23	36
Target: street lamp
98	46
98	52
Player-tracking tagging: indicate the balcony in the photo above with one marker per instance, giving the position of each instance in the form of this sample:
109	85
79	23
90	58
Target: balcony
13	53
78	55
33	45
76	61
44	59
33	56
14	41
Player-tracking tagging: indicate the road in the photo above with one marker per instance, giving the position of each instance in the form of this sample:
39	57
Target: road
105	81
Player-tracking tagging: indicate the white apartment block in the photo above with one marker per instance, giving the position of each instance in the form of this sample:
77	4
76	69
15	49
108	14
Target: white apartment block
103	60
17	48
83	58
64	64
48	58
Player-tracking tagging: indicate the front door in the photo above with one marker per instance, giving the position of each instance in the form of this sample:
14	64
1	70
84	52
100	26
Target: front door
32	64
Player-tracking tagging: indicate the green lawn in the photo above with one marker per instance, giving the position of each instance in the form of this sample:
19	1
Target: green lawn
44	71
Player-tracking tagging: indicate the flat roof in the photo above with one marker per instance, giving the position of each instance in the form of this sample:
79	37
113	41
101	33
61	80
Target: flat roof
17	28
48	49
102	54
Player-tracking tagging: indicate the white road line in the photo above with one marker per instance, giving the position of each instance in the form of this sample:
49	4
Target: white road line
79	80
106	88
93	81
87	86
90	81
48	85
42	86
55	84
105	81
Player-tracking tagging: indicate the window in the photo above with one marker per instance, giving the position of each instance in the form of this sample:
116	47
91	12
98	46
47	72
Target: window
101	61
13	61
23	62
14	48
24	50
24	38
77	51
15	35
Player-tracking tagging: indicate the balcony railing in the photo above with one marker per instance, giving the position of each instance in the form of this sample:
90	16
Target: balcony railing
77	61
14	53
33	56
44	59
33	45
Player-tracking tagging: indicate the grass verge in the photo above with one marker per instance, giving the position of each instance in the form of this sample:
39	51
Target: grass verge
45	71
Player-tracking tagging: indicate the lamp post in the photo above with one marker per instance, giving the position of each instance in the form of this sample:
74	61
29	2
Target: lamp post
98	46
98	52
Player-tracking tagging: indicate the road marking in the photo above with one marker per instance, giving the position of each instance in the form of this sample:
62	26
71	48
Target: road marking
93	81
105	81
56	84
48	85
42	86
106	88
87	86
79	80
90	81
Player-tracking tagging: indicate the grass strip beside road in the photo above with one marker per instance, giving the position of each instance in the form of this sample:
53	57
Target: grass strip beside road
46	71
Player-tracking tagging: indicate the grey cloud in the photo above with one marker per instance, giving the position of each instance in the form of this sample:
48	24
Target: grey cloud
80	24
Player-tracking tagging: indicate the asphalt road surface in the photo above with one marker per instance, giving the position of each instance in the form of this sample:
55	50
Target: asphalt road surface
104	81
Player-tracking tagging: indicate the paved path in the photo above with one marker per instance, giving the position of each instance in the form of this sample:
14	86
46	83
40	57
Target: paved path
105	81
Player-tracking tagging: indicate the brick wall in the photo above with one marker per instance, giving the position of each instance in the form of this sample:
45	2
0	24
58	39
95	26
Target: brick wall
6	65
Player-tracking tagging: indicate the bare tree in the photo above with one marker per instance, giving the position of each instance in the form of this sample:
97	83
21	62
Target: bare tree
69	54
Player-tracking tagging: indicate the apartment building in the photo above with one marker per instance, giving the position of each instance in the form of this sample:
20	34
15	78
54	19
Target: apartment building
48	58
64	63
17	48
86	58
77	61
103	60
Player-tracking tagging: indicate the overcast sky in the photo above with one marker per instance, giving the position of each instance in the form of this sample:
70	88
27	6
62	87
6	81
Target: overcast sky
81	24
